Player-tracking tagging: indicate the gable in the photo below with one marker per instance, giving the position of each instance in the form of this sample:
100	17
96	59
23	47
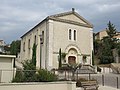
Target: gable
72	17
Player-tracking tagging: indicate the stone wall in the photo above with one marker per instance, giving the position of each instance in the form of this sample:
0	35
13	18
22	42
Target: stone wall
39	86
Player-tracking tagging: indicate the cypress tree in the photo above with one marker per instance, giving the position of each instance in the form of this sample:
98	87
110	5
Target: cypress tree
34	54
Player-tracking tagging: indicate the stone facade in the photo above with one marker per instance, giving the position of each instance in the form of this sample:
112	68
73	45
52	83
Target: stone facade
68	31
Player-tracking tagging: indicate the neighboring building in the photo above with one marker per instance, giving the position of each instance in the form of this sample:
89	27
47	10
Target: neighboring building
100	35
68	31
2	44
117	36
6	68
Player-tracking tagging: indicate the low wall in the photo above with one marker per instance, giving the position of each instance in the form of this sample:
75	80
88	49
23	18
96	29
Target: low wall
67	85
105	70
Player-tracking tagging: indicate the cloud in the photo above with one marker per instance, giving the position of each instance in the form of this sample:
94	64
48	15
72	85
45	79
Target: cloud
18	16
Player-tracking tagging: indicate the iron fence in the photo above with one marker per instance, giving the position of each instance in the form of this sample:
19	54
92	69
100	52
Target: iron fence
109	79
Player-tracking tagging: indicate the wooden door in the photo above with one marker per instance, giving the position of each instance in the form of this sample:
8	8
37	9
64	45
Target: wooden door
72	60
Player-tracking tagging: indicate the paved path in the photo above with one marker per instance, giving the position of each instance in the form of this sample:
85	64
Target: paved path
101	88
109	79
106	88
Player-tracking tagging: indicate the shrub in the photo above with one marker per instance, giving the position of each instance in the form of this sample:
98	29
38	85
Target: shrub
18	77
45	76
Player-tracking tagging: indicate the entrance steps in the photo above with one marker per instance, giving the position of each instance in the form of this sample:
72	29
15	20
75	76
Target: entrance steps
86	69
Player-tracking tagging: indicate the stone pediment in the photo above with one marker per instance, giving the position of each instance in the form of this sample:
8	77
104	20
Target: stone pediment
71	17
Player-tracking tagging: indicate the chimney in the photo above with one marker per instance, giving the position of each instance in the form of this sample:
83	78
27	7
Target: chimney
73	9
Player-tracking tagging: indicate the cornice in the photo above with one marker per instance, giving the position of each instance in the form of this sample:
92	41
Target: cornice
71	22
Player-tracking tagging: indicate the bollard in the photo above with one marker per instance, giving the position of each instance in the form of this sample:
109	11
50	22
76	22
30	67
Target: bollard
103	80
65	74
0	75
89	76
77	75
117	82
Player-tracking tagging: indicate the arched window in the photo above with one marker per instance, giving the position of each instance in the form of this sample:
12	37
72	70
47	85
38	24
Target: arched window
29	44
43	36
24	46
70	34
74	34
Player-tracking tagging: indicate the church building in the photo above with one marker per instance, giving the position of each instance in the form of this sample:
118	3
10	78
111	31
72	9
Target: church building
68	31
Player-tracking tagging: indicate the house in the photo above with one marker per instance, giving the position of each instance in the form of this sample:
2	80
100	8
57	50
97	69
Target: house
103	33
2	44
6	68
68	31
100	35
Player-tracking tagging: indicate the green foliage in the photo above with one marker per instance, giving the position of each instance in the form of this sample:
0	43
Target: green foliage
111	31
63	55
45	76
34	54
7	49
29	71
93	58
118	49
15	47
104	48
19	76
106	56
30	74
60	61
73	68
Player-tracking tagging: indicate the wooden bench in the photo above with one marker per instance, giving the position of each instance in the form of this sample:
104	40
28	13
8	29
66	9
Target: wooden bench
90	85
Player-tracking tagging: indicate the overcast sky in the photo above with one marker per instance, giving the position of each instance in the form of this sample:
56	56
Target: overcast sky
19	16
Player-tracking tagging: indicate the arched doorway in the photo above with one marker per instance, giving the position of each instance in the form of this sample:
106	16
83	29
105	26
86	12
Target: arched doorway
72	60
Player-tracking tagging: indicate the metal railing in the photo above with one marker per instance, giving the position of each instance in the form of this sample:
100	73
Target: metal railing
109	79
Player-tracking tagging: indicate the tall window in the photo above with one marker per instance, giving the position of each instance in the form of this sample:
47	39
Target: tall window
74	34
70	34
35	39
29	44
43	36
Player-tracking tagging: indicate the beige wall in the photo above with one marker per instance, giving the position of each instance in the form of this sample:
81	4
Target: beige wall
101	34
39	86
26	55
83	43
6	68
56	37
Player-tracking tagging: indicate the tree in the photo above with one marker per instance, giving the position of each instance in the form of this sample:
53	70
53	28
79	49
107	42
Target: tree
60	61
106	56
15	47
111	31
73	68
93	63
7	49
103	49
34	54
118	48
63	55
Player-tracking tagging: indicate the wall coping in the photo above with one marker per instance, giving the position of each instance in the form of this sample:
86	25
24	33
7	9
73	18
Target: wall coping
8	56
37	83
